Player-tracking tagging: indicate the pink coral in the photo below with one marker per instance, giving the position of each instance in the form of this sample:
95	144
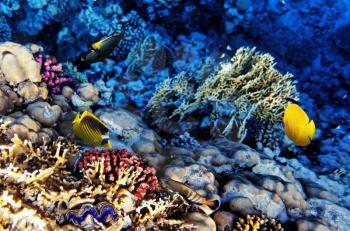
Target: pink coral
52	73
115	161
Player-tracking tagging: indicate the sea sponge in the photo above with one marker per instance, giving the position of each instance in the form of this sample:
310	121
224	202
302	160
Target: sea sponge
246	86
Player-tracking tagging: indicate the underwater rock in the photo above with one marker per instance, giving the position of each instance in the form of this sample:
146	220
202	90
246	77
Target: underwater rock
308	225
18	64
127	129
329	213
28	129
242	205
30	92
6	104
313	189
224	220
61	101
267	202
271	168
292	194
87	92
44	113
197	177
201	221
86	95
67	92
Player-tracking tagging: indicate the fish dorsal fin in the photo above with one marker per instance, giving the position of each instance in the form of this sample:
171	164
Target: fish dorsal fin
97	45
94	122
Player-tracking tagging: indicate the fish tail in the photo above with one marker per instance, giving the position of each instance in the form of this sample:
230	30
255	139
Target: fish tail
107	145
214	204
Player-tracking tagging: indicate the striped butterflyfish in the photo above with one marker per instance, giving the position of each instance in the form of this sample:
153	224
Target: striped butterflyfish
91	130
189	193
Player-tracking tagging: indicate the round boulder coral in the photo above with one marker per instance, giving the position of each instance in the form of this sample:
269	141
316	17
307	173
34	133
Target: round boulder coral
44	113
121	167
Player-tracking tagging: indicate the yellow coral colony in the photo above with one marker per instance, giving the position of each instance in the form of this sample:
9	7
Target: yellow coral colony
297	125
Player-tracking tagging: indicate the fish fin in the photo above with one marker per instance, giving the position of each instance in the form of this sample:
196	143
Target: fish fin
214	204
106	143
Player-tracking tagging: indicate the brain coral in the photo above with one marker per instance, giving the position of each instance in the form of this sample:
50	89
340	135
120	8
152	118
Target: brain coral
123	168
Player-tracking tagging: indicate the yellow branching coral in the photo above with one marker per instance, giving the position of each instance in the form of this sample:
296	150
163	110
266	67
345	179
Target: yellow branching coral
256	223
248	85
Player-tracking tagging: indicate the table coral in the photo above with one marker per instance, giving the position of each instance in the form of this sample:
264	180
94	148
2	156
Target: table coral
122	168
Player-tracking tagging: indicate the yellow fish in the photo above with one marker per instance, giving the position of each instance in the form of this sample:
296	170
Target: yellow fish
91	130
298	126
189	193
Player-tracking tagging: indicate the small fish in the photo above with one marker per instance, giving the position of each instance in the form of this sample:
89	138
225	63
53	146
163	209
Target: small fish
100	50
298	126
189	193
91	130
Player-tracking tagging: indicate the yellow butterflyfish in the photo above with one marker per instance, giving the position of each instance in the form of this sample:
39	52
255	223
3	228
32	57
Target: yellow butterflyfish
91	130
298	126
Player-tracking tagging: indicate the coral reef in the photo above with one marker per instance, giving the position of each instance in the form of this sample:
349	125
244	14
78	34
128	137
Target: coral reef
56	199
173	70
247	86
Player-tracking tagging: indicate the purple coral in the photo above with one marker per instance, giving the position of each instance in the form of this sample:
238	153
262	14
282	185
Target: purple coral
52	73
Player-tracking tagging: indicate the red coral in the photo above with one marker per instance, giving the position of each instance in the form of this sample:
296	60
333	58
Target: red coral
117	160
52	73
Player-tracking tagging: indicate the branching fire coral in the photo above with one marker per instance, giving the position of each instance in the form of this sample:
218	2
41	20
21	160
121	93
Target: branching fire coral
247	86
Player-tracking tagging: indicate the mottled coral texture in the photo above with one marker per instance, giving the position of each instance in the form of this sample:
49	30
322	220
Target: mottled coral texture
52	73
117	163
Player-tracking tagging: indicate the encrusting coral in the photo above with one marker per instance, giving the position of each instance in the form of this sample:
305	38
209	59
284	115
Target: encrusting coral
247	86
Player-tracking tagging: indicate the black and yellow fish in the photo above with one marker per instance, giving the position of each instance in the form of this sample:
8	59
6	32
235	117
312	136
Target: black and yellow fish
297	125
91	130
100	50
189	193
